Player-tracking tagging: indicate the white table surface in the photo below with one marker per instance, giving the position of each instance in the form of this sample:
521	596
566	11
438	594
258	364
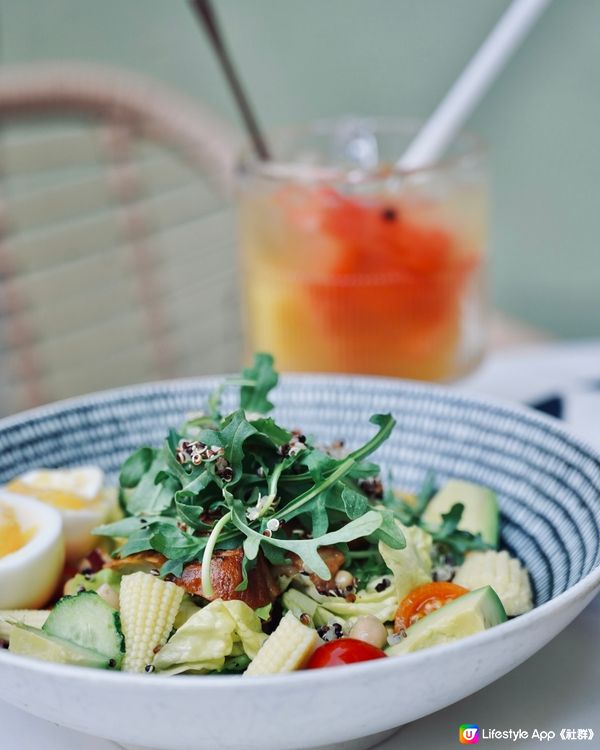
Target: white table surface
557	688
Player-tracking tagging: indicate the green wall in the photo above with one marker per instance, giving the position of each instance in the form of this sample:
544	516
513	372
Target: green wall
303	58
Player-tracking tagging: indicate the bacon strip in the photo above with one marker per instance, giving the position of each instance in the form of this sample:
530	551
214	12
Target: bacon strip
226	575
144	561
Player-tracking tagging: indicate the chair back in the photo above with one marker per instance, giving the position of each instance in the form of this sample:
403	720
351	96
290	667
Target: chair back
117	260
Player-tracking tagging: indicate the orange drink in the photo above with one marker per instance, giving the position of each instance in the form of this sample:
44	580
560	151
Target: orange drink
362	268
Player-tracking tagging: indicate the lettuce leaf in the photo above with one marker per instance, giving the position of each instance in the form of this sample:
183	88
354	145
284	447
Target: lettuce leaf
380	604
202	643
421	543
410	567
298	603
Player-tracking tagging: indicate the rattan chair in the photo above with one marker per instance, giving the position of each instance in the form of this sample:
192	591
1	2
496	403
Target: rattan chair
116	240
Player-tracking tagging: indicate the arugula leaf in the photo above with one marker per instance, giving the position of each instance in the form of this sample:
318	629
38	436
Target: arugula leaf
196	484
307	549
174	543
367	568
269	429
260	379
355	503
449	536
127	526
247	565
319	517
139	541
386	424
232	438
234	664
462	542
346	501
172	567
252	547
427	491
189	511
406	512
160	534
154	492
365	470
390	532
276	556
319	464
136	466
300	503
450	521
163	497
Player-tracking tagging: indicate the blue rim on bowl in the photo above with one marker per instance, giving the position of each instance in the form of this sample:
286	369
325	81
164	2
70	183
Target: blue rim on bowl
548	481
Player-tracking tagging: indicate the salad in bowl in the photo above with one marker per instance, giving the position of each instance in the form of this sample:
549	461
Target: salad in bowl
243	546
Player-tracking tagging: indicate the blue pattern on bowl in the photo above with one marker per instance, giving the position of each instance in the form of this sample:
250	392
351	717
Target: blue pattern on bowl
548	483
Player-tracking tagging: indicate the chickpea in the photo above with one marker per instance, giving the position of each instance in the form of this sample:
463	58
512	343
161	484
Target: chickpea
369	629
344	580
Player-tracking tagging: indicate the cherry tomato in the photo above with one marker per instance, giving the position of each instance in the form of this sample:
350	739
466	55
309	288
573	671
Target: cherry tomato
343	651
425	599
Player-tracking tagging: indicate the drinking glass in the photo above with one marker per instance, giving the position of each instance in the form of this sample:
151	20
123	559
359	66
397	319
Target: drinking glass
352	265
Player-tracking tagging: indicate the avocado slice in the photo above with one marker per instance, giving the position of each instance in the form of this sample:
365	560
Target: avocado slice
28	641
9	617
469	614
93	581
480	515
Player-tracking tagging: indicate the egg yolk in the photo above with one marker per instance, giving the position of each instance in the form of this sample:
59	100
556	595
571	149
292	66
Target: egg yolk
12	536
57	498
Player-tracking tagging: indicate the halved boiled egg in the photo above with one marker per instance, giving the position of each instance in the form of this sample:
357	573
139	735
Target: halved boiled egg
78	496
32	551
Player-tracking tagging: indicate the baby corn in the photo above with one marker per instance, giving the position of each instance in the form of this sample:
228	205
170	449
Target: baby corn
288	648
148	610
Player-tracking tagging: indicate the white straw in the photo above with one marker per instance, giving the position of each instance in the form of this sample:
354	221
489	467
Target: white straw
453	111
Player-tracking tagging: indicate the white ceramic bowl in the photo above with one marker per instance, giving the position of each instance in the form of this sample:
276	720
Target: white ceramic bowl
548	484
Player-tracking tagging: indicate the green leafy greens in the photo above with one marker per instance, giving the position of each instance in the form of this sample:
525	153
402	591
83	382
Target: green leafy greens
451	542
242	480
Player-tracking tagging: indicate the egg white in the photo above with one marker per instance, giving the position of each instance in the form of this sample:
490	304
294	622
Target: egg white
30	575
77	523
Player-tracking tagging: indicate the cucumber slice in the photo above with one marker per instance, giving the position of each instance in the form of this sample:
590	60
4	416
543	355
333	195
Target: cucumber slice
88	621
28	641
480	515
469	614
